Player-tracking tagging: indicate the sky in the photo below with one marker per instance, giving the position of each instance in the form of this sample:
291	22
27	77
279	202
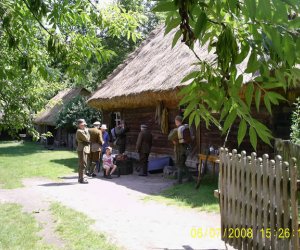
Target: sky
103	3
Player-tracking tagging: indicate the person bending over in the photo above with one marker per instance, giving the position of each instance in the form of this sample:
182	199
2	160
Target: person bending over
108	163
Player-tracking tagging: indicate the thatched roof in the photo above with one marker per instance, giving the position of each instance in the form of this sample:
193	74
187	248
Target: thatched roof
150	74
49	115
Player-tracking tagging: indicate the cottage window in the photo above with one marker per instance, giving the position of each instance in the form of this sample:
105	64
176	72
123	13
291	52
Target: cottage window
117	117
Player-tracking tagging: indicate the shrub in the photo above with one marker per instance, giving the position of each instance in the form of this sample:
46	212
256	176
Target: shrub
295	128
77	109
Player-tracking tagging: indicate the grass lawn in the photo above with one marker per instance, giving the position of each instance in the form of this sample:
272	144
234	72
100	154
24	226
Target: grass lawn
29	159
19	230
187	196
75	229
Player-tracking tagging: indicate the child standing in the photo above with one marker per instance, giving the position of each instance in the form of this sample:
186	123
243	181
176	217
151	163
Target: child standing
108	163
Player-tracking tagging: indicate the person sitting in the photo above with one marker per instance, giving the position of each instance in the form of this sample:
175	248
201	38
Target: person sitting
108	164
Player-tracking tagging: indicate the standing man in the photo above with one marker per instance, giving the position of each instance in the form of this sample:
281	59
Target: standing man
120	133
180	150
143	147
96	145
83	148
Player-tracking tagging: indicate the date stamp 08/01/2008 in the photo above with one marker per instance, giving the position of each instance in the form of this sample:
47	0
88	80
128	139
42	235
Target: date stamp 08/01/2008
235	233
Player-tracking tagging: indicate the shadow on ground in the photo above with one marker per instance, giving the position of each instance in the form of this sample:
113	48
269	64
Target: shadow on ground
69	162
8	148
58	184
186	194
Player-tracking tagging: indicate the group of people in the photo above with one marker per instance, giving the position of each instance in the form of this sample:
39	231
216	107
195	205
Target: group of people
94	150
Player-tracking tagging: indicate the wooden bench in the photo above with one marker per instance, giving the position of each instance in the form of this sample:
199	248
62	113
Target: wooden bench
214	159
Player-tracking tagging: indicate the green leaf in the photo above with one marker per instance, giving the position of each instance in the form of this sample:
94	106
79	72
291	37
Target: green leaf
165	6
295	23
253	137
176	38
242	131
200	24
253	64
272	85
267	103
257	98
275	97
172	24
249	93
191	117
229	120
243	54
233	4
190	76
251	8
197	120
264	9
263	132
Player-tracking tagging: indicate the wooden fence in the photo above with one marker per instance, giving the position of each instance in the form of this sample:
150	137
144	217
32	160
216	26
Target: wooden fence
258	200
288	150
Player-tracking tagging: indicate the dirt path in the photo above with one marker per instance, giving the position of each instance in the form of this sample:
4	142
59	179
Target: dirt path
117	207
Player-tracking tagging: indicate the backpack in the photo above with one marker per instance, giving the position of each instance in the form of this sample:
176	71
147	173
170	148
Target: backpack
185	134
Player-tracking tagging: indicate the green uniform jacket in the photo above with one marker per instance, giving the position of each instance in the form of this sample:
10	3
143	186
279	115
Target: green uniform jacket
144	142
179	149
83	140
95	139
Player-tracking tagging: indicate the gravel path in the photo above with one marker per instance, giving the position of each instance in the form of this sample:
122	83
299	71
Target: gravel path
119	211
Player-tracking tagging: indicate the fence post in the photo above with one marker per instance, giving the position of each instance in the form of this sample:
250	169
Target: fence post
294	204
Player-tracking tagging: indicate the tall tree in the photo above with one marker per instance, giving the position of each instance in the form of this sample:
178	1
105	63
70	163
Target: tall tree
46	42
263	34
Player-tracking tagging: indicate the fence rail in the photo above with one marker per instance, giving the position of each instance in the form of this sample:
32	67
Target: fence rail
258	199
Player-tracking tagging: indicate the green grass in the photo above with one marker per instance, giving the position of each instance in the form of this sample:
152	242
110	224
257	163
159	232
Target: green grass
24	160
75	229
186	196
19	230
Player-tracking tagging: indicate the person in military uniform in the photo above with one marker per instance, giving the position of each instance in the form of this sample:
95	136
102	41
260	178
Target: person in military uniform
143	147
120	132
181	152
96	145
83	149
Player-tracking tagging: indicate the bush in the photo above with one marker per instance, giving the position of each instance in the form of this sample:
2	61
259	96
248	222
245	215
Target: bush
295	134
77	109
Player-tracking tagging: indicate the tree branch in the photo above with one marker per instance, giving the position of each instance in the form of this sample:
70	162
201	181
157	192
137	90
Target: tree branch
12	36
37	19
95	7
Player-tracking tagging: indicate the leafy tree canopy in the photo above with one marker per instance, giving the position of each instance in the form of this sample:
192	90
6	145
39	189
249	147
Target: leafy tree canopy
46	45
263	34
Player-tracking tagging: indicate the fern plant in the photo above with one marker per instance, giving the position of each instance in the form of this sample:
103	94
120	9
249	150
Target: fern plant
295	134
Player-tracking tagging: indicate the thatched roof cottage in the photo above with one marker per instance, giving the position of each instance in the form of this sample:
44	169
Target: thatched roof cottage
46	119
147	81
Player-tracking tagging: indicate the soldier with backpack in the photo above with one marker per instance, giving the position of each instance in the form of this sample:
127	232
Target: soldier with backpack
181	137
